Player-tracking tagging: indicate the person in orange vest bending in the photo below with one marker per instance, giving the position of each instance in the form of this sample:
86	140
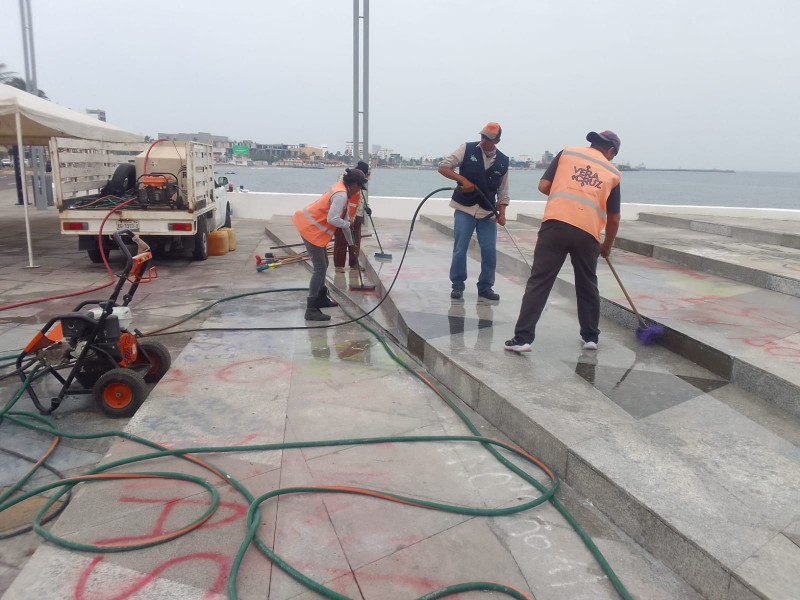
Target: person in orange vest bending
317	224
583	198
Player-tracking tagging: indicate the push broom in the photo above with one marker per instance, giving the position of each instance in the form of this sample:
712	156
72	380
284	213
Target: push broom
380	256
646	332
362	287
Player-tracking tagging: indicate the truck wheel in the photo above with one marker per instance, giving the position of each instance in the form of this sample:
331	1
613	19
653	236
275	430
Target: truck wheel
228	216
119	392
94	255
201	239
159	358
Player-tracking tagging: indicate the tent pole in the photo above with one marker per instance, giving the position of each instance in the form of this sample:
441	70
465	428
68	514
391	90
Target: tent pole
21	160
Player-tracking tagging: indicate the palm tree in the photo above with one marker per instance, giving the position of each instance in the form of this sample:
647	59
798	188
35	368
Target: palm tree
11	78
14	80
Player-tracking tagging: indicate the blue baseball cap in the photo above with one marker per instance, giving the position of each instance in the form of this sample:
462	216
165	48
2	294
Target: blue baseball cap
604	137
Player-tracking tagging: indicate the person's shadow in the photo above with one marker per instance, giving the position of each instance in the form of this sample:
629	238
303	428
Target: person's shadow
456	318
318	341
485	326
586	366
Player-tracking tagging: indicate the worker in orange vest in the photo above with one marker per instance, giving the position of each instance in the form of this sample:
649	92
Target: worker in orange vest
583	198
317	224
340	247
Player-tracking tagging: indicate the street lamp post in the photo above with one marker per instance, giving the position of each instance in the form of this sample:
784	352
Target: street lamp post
357	53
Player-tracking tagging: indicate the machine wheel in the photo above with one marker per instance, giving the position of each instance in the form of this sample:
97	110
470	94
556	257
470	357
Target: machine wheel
94	255
201	239
228	216
119	392
160	360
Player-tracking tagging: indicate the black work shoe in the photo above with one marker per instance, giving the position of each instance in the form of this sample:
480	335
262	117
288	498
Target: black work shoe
456	294
315	314
489	294
324	299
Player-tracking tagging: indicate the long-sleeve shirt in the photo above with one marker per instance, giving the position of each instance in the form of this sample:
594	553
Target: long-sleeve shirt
454	161
335	218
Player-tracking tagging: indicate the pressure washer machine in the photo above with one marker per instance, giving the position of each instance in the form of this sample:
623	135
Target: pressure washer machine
93	351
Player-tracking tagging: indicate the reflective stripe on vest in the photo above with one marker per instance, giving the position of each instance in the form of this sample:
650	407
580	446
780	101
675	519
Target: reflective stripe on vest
352	204
312	221
583	181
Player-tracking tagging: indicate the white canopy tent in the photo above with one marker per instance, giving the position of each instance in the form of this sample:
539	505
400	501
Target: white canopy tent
26	119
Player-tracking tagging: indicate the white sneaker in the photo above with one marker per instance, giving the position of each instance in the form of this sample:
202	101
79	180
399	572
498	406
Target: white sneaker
590	345
515	345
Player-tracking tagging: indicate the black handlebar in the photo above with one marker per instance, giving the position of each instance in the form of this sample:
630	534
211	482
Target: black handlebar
117	237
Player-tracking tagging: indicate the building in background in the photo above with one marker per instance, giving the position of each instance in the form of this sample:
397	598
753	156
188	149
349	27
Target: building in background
348	149
544	162
272	152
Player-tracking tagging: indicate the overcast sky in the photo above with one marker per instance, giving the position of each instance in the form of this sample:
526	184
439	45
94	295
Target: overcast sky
685	83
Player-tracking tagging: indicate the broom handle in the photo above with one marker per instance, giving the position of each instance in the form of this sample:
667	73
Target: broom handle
376	233
624	291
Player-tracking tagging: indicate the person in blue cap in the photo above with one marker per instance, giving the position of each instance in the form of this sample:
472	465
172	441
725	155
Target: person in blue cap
583	199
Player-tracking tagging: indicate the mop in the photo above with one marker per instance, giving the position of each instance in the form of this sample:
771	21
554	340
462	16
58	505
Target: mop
646	332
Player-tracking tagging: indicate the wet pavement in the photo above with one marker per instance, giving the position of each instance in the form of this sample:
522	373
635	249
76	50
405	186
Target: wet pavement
699	476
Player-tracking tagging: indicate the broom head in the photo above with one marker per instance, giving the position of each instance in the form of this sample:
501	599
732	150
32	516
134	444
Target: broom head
647	333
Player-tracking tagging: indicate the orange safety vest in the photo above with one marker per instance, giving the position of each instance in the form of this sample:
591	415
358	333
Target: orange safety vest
580	189
312	221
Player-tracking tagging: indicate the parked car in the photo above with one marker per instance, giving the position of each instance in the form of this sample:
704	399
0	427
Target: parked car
6	162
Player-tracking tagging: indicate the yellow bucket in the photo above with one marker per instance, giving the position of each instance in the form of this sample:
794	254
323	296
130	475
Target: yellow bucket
217	243
231	238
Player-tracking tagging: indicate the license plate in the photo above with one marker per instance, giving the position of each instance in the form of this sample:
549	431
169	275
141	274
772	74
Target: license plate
127	224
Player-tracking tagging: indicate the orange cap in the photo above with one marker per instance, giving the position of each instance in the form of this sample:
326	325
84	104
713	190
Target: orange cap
492	130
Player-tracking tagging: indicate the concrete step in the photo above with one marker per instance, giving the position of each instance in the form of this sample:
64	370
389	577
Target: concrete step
709	485
771	267
750	229
748	336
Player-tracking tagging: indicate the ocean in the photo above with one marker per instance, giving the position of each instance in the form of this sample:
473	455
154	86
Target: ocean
742	189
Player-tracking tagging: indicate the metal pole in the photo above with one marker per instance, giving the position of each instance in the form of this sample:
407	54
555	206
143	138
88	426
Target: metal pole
32	85
21	161
23	15
32	77
355	82
365	106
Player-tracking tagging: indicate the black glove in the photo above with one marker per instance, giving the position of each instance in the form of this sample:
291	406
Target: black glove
368	210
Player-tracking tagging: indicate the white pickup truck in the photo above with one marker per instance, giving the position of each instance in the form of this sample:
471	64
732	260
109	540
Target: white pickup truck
165	190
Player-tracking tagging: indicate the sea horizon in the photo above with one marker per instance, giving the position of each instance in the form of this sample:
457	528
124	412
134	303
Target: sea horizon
749	189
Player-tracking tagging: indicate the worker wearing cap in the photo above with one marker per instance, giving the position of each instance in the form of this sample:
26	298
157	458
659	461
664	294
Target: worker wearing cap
583	198
481	166
340	247
317	224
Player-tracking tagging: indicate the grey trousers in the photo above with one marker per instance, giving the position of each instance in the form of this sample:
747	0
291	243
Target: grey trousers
319	260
